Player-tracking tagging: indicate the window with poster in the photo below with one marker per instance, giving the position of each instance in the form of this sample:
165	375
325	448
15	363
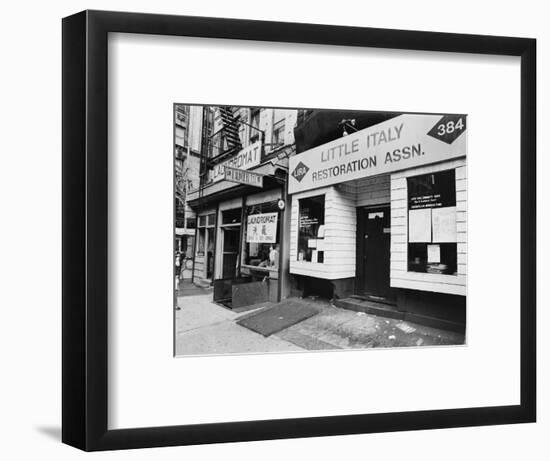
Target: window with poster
432	223
261	247
311	229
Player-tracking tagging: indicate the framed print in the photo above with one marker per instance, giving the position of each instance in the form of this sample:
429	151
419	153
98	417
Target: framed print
279	230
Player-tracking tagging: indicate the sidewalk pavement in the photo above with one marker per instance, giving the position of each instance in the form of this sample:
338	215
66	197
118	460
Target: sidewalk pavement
205	328
188	288
336	328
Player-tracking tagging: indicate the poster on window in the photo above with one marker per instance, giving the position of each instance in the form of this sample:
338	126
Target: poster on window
261	228
420	225
444	224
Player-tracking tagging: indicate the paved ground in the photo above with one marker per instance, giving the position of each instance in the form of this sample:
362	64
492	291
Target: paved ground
336	328
187	288
205	328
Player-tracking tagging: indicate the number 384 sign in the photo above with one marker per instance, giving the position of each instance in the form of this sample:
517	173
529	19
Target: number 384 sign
448	128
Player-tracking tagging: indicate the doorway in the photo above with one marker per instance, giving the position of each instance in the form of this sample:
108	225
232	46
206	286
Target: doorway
373	252
230	253
230	242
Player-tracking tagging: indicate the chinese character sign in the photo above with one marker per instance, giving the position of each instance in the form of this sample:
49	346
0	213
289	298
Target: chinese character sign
261	228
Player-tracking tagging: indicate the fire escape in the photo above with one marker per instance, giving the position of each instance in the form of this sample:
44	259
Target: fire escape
222	144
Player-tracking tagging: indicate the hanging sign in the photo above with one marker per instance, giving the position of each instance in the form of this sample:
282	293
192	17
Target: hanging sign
261	228
406	141
247	158
244	177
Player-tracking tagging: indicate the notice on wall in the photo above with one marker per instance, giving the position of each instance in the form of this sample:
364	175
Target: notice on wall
444	224
420	225
434	254
261	228
312	243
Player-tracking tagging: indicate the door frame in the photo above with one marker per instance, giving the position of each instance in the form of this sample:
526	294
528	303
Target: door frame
361	213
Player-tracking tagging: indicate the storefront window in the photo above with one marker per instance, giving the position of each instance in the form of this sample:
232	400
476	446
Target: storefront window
202	238
261	237
311	229
206	233
432	223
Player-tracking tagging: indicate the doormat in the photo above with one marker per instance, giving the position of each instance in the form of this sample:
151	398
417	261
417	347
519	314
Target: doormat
278	318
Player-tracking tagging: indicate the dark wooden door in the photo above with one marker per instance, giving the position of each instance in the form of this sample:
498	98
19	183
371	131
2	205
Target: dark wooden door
376	251
230	251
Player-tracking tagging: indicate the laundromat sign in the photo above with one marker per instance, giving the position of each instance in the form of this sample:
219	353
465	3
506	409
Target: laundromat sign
403	142
246	158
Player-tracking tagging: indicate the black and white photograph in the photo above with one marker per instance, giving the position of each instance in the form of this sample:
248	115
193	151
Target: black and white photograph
267	231
318	229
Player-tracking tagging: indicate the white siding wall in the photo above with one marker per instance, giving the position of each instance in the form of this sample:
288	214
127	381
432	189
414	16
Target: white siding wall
373	191
399	277
340	232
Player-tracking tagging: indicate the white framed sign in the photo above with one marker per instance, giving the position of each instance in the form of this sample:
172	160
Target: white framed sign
262	228
407	141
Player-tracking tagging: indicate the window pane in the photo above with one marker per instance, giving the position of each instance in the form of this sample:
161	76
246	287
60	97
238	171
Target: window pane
255	125
261	240
278	133
231	216
231	239
200	246
311	228
432	223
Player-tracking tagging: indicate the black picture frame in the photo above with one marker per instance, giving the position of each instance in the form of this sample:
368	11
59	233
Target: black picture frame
85	220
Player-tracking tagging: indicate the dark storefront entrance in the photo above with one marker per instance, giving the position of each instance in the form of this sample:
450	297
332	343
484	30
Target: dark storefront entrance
373	252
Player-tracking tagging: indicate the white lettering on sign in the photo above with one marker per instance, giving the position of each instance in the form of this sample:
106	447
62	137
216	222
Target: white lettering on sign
403	142
243	177
247	158
261	228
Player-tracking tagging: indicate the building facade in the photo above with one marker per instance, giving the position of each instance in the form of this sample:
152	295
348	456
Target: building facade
242	221
187	145
379	211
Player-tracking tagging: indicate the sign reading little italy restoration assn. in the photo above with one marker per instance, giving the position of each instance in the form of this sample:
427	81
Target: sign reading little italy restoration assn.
402	142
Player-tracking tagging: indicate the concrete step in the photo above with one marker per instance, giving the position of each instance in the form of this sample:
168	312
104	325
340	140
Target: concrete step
369	307
389	311
375	299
